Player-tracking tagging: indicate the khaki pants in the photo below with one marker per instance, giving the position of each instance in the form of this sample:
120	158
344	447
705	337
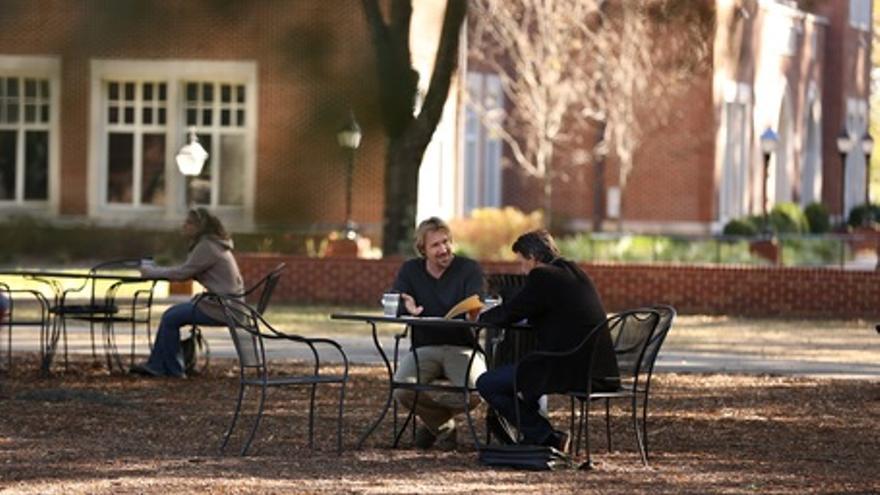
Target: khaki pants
438	362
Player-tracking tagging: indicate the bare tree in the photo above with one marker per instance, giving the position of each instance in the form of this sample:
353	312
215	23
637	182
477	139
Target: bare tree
408	133
568	66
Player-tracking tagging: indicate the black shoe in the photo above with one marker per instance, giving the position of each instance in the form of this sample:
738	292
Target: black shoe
143	370
558	440
445	439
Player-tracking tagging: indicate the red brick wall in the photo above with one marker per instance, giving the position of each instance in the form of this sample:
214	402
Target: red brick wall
705	289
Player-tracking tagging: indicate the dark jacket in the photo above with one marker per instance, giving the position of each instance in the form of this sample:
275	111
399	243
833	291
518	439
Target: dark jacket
461	279
561	304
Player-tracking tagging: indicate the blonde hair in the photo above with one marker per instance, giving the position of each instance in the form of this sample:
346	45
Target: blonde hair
427	226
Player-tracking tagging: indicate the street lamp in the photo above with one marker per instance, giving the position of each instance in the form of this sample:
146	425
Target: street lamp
349	138
191	157
769	142
845	144
190	160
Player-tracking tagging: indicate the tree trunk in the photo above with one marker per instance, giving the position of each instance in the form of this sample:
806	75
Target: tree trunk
402	164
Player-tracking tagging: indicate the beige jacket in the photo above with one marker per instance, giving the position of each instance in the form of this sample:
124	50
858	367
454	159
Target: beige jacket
210	262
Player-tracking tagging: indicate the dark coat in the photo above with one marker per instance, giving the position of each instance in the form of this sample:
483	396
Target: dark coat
562	305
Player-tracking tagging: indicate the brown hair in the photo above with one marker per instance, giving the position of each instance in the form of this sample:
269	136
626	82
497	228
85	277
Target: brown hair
206	224
432	224
537	245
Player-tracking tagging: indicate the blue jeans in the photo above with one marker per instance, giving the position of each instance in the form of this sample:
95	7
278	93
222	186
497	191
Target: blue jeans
166	358
496	387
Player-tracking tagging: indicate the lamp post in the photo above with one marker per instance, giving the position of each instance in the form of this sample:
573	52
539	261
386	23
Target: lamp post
190	160
349	138
867	147
769	142
845	144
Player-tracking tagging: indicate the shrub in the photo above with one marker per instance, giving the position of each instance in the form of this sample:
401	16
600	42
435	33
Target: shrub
740	227
862	213
787	218
817	218
489	232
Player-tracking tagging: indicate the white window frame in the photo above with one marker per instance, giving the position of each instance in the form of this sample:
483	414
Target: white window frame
175	73
46	68
483	179
860	14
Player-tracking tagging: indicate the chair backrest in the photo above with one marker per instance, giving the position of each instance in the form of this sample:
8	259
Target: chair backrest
631	339
568	370
667	315
244	324
265	287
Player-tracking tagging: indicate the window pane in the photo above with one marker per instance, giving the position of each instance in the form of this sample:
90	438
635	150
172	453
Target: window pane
161	91
44	113
225	93
199	188
113	115
114	91
240	114
224	117
36	165
7	164
148	91
206	117
148	115
44	88
232	175
207	92
30	113
129	115
153	167
192	92
119	168
191	116
129	91
2	87
12	87
30	88
240	93
12	113
162	116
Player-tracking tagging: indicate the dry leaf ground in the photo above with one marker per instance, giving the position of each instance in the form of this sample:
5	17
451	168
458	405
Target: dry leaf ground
87	431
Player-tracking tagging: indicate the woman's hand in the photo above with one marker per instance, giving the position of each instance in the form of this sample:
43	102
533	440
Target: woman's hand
410	304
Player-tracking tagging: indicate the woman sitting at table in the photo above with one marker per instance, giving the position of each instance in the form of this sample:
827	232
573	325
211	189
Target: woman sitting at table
211	263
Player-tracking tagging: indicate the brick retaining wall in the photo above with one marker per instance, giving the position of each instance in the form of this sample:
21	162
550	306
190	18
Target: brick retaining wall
703	289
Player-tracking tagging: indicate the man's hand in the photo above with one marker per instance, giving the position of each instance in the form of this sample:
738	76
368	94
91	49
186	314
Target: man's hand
410	304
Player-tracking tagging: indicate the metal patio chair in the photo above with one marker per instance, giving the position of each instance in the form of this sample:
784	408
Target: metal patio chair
250	333
14	321
105	309
259	293
637	342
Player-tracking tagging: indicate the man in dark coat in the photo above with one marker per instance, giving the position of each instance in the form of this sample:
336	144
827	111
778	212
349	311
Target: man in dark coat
562	305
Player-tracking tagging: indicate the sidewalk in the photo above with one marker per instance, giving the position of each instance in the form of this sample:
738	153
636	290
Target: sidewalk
696	344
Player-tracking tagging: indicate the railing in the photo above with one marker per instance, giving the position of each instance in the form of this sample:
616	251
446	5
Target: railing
856	250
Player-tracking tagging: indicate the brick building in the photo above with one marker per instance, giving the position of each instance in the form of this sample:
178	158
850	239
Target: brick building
802	72
96	98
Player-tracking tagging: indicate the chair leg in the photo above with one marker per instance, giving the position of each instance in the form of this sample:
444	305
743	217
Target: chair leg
588	463
250	438
645	423
234	417
92	333
312	415
638	430
339	424
608	422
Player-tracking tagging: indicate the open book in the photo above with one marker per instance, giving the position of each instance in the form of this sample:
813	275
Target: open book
471	305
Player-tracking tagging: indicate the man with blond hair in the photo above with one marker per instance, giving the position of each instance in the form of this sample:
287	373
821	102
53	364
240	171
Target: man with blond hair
430	285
